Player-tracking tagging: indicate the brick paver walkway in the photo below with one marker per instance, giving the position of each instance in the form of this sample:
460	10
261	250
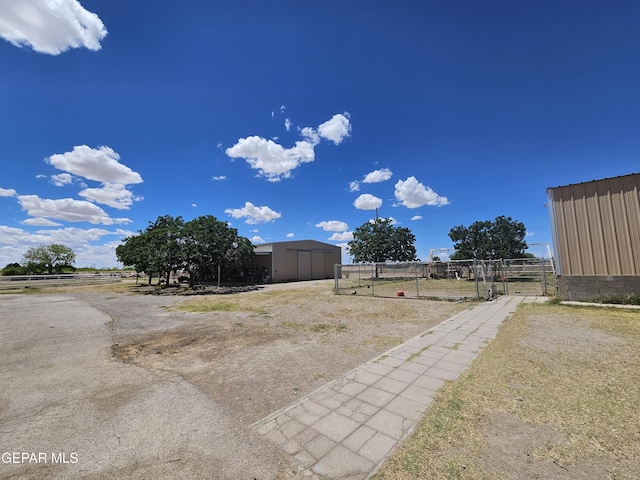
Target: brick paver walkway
346	429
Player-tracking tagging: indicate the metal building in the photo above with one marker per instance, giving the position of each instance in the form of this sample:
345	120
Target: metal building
596	237
296	260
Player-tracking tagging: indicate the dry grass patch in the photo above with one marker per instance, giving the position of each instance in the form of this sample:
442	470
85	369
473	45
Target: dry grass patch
556	395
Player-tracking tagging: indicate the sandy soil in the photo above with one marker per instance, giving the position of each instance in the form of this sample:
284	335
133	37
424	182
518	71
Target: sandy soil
256	363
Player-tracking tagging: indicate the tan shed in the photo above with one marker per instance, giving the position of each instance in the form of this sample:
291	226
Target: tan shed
596	237
297	260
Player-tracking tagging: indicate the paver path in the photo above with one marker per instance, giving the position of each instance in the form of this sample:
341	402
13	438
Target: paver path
346	429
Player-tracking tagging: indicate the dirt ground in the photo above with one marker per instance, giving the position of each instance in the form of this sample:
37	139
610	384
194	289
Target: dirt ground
254	352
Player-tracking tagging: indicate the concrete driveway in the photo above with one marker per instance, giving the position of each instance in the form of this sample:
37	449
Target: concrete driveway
68	409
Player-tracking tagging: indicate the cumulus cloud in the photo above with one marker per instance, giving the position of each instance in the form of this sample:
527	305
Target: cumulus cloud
40	222
366	201
257	239
100	164
287	124
50	27
342	237
254	214
413	194
290	235
112	194
354	186
61	179
7	192
219	178
416	217
333	226
271	159
336	129
378	176
67	209
276	162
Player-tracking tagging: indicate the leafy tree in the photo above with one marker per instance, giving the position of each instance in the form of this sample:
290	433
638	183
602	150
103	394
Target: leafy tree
163	238
49	258
13	269
199	246
486	240
209	243
135	252
379	241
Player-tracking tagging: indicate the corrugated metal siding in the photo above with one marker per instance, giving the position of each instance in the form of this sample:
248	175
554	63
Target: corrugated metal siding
303	260
597	226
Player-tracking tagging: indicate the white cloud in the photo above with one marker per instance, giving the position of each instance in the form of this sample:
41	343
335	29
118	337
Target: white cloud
287	124
271	159
336	129
257	239
112	194
333	226
61	179
40	222
194	205
416	217
354	186
275	162
342	237
290	235
377	176
7	192
67	209
99	164
254	214
50	27
414	194
218	178
367	201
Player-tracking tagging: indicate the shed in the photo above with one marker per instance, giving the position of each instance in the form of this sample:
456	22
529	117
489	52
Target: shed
596	237
297	260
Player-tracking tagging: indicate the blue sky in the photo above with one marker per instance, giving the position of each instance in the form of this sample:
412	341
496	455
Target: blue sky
293	120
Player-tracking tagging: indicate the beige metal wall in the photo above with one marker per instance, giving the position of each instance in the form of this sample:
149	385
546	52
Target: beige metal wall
301	260
596	226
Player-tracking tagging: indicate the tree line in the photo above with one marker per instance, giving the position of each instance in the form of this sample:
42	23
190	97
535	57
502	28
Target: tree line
379	241
202	246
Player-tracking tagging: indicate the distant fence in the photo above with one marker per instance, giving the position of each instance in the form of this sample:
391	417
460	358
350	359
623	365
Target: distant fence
452	279
33	281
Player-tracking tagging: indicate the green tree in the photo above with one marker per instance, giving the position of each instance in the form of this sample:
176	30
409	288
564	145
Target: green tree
379	241
200	246
209	244
166	252
13	269
487	240
50	258
135	252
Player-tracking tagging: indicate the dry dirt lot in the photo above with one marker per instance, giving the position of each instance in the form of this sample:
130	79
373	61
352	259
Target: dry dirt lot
554	396
254	352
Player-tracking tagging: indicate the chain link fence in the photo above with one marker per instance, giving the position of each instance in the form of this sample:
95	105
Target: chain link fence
455	279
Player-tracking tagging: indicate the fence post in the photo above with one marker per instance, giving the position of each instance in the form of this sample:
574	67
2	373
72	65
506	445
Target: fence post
544	277
475	278
335	276
504	277
417	284
373	280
